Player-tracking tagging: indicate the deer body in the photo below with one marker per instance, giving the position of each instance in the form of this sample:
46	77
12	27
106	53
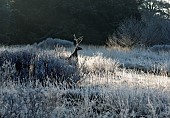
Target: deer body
75	53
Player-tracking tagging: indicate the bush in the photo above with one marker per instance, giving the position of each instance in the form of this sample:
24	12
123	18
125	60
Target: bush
51	43
147	31
156	32
35	65
128	34
160	48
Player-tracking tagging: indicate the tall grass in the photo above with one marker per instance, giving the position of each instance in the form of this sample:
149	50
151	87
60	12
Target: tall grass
105	89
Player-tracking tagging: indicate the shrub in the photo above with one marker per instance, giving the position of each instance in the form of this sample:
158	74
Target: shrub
148	31
158	48
45	66
51	43
128	34
98	63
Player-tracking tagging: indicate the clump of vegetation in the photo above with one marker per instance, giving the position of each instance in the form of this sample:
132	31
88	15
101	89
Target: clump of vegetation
133	33
160	48
32	64
51	43
105	90
152	29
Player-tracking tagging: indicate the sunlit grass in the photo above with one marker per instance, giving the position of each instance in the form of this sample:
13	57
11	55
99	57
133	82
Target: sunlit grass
105	89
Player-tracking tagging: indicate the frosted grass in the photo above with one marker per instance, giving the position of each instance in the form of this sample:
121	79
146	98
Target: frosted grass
105	89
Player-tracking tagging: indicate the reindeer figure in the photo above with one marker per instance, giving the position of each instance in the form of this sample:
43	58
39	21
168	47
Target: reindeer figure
74	55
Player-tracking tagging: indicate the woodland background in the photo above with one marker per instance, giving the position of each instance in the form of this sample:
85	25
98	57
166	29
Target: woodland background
30	21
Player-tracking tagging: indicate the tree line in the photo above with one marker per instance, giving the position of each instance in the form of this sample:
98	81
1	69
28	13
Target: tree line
29	21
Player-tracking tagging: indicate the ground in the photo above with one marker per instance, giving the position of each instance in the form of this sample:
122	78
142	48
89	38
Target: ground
107	87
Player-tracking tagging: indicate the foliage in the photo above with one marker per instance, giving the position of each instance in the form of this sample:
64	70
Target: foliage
156	7
152	29
128	34
34	65
94	19
148	31
160	48
51	43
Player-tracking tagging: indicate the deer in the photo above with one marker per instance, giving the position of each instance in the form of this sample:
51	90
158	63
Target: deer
73	58
74	54
54	73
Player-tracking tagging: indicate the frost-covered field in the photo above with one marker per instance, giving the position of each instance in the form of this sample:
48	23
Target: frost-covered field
107	88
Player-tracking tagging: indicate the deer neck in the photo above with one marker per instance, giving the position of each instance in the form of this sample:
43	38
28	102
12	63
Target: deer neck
74	54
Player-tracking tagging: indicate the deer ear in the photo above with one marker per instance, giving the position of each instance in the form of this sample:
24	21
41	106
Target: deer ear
79	48
75	38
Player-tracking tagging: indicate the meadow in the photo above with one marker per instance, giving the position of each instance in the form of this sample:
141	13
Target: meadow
112	82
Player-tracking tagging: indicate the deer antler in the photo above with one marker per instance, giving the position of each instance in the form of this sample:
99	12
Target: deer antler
78	40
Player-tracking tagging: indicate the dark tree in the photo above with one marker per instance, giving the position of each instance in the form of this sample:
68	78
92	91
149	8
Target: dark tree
94	19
